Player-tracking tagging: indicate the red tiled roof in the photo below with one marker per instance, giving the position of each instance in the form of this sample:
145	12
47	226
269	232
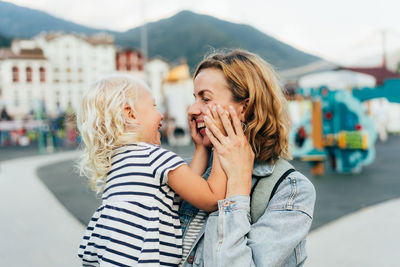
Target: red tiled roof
7	53
97	39
380	73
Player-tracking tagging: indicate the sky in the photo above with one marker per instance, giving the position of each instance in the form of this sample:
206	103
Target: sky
342	31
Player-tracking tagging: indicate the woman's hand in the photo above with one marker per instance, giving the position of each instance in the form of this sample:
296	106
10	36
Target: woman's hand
234	151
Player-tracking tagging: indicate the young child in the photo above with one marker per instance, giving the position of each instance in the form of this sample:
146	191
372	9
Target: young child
137	223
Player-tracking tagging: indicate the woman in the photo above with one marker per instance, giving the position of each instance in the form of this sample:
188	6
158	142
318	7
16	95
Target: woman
244	84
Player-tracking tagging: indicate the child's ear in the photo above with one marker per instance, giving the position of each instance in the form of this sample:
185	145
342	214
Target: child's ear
129	115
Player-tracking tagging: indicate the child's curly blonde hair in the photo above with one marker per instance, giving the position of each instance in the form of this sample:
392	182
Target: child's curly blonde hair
102	125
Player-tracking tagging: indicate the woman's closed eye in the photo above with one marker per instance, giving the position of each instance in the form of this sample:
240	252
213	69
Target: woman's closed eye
206	100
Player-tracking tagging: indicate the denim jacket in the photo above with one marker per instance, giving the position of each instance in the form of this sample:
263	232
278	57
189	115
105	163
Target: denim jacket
227	238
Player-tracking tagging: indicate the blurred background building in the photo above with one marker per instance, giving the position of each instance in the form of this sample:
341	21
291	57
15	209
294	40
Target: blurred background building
46	76
53	69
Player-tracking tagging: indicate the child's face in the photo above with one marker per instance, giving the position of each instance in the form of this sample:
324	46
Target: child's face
148	118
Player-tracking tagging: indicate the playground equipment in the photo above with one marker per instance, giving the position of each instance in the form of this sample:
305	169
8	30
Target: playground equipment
389	90
338	128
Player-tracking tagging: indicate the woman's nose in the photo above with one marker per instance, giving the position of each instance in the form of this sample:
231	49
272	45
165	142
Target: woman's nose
194	109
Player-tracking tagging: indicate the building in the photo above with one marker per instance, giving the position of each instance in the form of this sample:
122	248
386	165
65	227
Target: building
130	60
53	70
76	61
178	96
25	78
156	71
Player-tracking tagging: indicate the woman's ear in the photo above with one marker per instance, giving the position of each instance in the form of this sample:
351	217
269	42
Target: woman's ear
243	109
129	114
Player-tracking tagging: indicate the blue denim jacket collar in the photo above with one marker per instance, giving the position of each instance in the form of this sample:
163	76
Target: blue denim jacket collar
262	169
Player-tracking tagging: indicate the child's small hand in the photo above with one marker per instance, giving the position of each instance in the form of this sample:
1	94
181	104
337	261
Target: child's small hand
196	136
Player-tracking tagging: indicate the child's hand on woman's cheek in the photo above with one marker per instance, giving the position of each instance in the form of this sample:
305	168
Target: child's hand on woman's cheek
196	136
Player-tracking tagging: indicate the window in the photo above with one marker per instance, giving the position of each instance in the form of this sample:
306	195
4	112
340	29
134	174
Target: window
42	71
28	74
15	74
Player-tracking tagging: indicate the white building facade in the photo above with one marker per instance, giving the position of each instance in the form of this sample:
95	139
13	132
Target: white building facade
67	64
156	71
25	80
76	61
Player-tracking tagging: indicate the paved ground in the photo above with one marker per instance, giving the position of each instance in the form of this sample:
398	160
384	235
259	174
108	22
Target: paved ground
14	152
73	191
367	238
39	231
337	195
35	228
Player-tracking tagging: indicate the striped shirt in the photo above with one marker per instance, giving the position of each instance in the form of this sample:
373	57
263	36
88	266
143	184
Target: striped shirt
192	232
137	223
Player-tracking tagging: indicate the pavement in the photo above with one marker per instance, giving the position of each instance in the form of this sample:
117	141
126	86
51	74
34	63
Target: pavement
35	229
38	229
367	238
338	195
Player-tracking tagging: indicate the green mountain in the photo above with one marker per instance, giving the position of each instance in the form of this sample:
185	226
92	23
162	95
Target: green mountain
4	41
186	35
190	35
17	21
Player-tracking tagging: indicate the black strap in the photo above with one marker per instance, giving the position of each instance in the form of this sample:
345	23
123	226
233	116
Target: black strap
254	186
283	177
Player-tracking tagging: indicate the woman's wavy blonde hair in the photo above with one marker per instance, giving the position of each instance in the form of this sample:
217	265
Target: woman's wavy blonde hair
102	125
252	79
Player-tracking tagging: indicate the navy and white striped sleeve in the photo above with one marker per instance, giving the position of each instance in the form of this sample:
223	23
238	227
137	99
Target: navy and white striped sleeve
166	161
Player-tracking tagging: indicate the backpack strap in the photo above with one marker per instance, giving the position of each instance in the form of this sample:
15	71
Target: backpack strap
265	187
